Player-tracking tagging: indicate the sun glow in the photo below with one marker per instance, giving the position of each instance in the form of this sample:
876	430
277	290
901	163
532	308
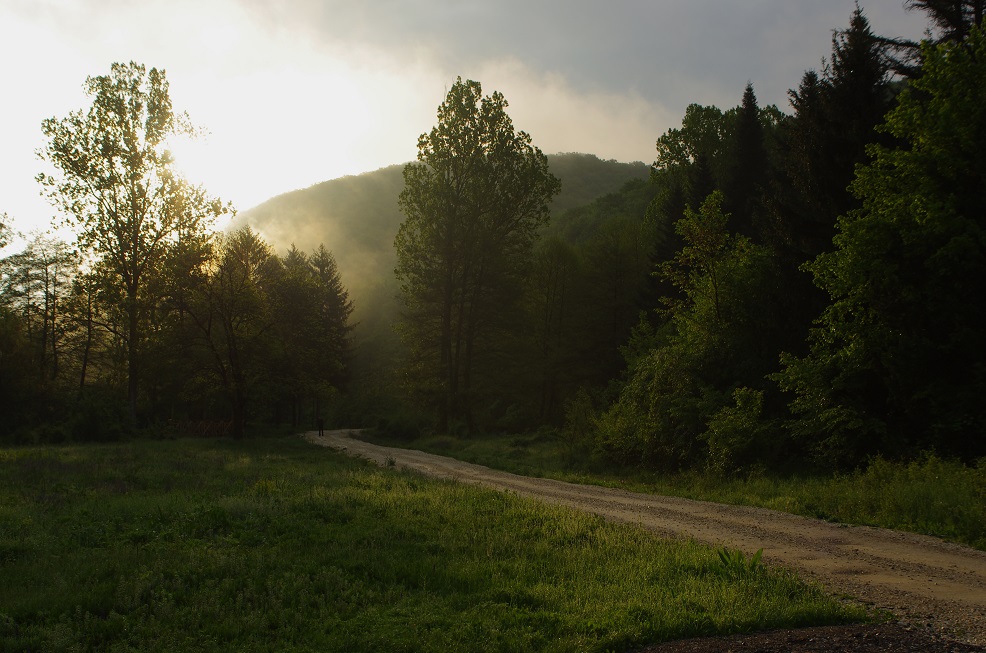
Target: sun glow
268	132
281	106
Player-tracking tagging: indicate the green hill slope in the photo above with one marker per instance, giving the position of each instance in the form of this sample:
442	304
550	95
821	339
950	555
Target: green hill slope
357	217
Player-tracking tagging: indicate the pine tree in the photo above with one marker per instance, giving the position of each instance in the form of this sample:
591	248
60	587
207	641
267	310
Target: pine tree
747	173
897	360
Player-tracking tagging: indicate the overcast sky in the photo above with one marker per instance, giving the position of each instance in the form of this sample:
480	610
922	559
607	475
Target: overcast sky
294	92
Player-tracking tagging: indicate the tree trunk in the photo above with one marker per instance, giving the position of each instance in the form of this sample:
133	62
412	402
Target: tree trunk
88	346
132	331
445	358
239	411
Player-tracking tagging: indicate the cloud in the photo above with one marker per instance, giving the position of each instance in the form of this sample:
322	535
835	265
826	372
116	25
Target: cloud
560	118
662	50
299	92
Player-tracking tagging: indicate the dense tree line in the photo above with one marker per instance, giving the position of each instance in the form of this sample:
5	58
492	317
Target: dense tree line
787	291
796	291
820	308
151	319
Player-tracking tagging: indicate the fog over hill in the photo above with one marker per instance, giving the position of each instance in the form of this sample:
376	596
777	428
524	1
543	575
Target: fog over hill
357	217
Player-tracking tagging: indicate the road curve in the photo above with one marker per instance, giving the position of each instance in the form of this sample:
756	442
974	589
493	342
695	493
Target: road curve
921	579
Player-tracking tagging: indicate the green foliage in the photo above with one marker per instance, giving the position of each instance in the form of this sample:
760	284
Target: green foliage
204	545
585	178
474	203
735	564
703	134
928	495
580	422
401	426
361	212
660	411
683	375
113	176
897	358
99	417
836	113
747	170
272	334
581	223
738	435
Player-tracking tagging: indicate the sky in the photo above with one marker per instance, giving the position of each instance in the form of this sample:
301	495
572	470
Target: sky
290	93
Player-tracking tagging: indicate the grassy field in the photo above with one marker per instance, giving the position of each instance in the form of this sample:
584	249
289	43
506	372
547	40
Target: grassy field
274	544
931	496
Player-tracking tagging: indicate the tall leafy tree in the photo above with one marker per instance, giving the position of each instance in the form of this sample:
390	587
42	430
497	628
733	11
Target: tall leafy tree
690	161
113	175
897	360
473	203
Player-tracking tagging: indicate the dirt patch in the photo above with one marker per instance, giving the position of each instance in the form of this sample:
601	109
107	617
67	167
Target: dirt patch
937	590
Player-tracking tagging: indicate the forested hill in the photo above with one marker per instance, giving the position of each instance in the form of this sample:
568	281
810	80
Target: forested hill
356	217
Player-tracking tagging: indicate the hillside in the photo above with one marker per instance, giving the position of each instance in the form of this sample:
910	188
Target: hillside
357	217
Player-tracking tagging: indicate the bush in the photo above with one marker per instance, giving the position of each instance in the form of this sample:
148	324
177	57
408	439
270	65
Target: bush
737	435
99	417
399	427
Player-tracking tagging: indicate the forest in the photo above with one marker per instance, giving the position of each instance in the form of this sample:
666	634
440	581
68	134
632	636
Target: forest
784	291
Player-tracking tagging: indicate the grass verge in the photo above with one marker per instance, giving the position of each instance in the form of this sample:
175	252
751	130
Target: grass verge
932	496
274	544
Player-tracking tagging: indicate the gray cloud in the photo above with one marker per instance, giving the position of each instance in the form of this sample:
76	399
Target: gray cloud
668	51
332	87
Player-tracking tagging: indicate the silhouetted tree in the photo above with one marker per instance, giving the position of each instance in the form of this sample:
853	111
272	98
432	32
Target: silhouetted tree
473	203
114	176
747	172
896	362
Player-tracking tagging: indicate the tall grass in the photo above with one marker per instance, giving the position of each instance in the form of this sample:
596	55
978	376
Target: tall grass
277	545
932	496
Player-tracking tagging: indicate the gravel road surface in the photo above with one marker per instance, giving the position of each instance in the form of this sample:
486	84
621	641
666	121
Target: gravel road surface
922	580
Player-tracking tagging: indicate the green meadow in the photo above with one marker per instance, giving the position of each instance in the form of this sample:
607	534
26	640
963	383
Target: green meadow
274	544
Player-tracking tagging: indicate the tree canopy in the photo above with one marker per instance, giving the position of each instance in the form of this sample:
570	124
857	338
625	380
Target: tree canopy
113	174
473	203
897	357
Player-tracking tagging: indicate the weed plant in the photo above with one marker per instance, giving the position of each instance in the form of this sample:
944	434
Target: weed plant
273	544
932	496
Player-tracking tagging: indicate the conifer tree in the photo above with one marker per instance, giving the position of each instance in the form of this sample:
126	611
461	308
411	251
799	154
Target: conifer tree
747	172
896	362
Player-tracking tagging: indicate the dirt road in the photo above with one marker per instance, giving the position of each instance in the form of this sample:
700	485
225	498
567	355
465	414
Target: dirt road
923	580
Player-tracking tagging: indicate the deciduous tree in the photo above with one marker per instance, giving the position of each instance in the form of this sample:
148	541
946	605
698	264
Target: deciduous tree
113	176
473	203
